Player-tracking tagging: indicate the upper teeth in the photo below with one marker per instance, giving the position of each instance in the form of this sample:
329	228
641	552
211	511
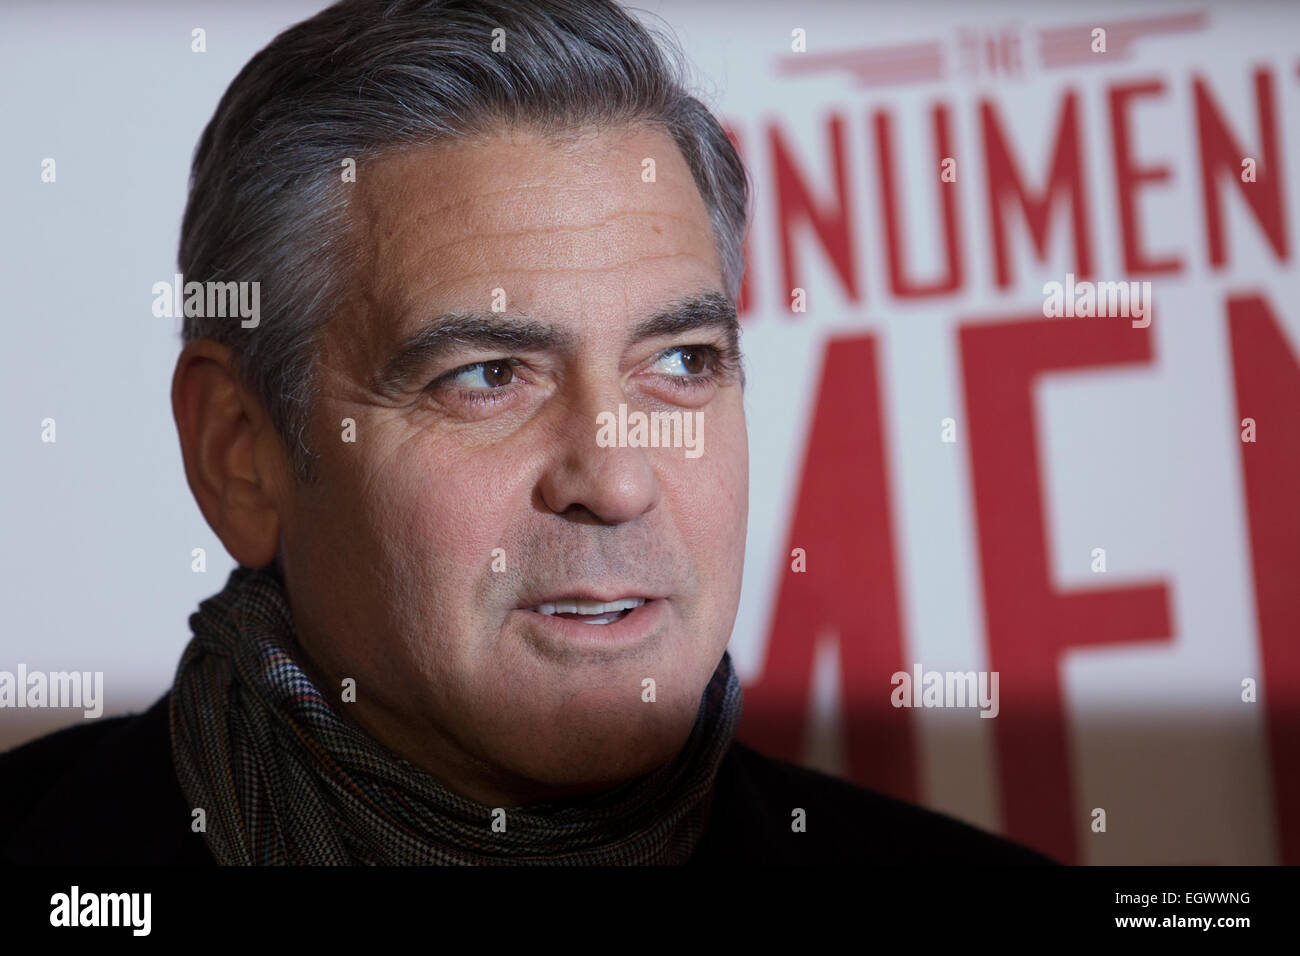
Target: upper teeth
588	607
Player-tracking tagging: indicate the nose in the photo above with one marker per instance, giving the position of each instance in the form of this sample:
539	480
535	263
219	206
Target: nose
587	482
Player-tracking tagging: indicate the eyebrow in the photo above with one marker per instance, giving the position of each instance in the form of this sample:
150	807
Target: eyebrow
457	331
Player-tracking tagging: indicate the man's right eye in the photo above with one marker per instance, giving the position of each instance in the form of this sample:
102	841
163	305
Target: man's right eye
481	376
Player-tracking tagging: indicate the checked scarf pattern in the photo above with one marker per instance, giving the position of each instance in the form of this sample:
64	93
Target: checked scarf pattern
283	779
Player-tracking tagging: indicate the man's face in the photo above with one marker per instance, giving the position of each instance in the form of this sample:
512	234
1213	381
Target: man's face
476	488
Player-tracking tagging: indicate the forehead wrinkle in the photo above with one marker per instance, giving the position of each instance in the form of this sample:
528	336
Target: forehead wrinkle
435	179
554	270
584	187
596	208
546	230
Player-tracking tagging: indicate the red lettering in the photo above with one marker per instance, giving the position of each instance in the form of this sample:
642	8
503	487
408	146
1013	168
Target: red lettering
896	239
1066	176
1030	624
1267	376
831	222
1220	152
1128	176
850	590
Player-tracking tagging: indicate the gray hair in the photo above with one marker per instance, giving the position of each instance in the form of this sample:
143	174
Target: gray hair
362	79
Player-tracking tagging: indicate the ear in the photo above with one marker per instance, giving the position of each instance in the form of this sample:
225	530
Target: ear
234	461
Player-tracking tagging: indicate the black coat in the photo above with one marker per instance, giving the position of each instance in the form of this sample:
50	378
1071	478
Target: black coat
104	792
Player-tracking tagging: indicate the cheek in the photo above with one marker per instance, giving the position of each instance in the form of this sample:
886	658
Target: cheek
437	518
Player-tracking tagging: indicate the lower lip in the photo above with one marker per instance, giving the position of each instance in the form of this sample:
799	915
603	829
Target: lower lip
631	627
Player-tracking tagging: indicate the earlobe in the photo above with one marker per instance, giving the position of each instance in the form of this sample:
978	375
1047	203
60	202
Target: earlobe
219	424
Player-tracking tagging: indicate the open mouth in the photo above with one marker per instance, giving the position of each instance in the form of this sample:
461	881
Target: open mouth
591	612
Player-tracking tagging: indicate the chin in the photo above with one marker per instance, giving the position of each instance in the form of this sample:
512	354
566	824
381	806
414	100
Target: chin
600	749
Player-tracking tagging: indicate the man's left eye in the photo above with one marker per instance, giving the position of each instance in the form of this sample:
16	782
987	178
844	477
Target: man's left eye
686	360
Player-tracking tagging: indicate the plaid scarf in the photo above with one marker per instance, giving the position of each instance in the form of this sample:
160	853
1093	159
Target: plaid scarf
283	779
